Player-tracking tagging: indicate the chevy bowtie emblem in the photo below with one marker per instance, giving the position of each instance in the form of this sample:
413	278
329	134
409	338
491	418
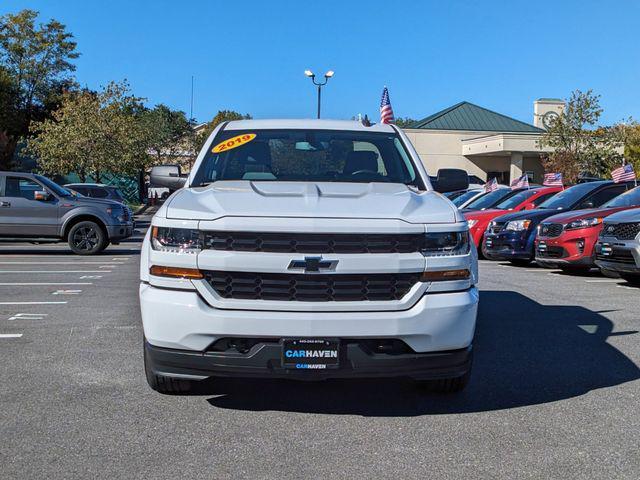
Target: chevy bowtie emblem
313	264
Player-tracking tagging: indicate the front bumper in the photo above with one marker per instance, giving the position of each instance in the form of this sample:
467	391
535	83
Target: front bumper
508	245
618	255
264	361
182	321
566	249
119	232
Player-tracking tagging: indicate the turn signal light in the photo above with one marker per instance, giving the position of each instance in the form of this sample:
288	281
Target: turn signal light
441	275
175	272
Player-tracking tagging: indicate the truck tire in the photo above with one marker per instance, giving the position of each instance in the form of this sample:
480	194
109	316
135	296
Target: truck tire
165	385
632	278
87	238
446	385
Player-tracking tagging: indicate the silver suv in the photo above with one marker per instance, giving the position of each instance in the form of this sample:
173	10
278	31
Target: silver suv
618	247
34	208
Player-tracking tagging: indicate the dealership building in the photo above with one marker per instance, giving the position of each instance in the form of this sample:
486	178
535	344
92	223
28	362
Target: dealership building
483	142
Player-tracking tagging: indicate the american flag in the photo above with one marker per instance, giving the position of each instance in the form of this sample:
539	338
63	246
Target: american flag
522	182
386	112
624	173
552	180
491	185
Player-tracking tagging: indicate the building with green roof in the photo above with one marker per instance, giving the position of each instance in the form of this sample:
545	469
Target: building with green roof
485	143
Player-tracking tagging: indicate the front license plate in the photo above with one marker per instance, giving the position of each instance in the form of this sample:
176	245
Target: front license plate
310	353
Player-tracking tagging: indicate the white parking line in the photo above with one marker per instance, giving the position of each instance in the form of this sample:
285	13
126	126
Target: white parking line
28	316
55	271
10	335
628	288
57	263
32	303
67	292
90	277
603	280
35	284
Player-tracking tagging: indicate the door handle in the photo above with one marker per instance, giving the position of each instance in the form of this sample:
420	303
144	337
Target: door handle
5	204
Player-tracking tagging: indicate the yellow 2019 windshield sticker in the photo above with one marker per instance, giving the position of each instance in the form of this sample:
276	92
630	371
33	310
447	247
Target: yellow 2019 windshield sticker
233	142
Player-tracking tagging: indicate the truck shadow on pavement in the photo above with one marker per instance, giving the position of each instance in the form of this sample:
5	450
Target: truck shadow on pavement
525	354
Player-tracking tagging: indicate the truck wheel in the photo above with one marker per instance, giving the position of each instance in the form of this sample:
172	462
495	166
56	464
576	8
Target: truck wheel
87	238
165	385
446	385
631	278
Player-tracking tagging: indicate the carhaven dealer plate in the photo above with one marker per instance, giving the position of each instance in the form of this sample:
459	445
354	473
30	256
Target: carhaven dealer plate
310	353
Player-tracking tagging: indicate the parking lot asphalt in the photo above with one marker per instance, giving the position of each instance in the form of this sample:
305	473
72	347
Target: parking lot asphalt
554	392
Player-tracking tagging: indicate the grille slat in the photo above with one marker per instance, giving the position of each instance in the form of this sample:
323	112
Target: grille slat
551	229
497	227
311	288
621	231
313	242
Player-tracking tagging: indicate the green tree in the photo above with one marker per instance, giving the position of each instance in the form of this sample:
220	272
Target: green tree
36	58
168	132
221	116
92	133
405	122
632	145
579	144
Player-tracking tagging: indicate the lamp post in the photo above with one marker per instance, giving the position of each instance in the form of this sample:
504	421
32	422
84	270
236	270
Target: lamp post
312	76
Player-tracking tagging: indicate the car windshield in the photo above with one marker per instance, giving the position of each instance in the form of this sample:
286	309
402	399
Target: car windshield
567	198
54	187
629	198
515	200
307	156
465	196
490	199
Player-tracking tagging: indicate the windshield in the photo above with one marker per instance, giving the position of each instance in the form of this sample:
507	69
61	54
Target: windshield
515	200
54	187
567	198
490	199
307	156
465	196
630	198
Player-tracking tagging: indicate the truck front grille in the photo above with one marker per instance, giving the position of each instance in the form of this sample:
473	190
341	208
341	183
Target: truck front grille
621	231
313	242
311	288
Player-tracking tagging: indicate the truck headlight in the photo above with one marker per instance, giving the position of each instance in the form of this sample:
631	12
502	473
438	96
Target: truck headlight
175	240
446	243
583	223
518	225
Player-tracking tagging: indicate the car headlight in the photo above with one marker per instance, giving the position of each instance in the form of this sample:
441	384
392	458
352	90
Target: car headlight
471	223
175	240
583	223
518	225
446	243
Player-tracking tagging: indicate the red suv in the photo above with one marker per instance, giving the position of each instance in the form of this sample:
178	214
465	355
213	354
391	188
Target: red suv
567	240
526	199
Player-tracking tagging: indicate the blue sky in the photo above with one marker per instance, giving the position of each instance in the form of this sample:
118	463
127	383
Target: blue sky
250	56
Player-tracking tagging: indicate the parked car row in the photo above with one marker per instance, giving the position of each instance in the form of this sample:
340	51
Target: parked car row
594	224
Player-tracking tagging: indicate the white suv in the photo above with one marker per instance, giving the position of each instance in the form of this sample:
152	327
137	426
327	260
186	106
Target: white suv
308	249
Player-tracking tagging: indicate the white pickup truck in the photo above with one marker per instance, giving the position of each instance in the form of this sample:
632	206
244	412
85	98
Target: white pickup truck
308	249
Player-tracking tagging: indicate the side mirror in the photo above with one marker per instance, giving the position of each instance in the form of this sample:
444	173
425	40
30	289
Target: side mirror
450	180
41	195
168	176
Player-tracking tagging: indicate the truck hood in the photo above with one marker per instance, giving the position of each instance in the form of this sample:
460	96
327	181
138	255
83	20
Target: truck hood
311	200
102	202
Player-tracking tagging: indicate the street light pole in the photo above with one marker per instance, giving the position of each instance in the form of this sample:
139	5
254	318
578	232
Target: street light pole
312	76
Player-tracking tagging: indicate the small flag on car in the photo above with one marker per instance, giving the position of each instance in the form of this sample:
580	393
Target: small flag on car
491	185
522	182
552	180
624	173
386	112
